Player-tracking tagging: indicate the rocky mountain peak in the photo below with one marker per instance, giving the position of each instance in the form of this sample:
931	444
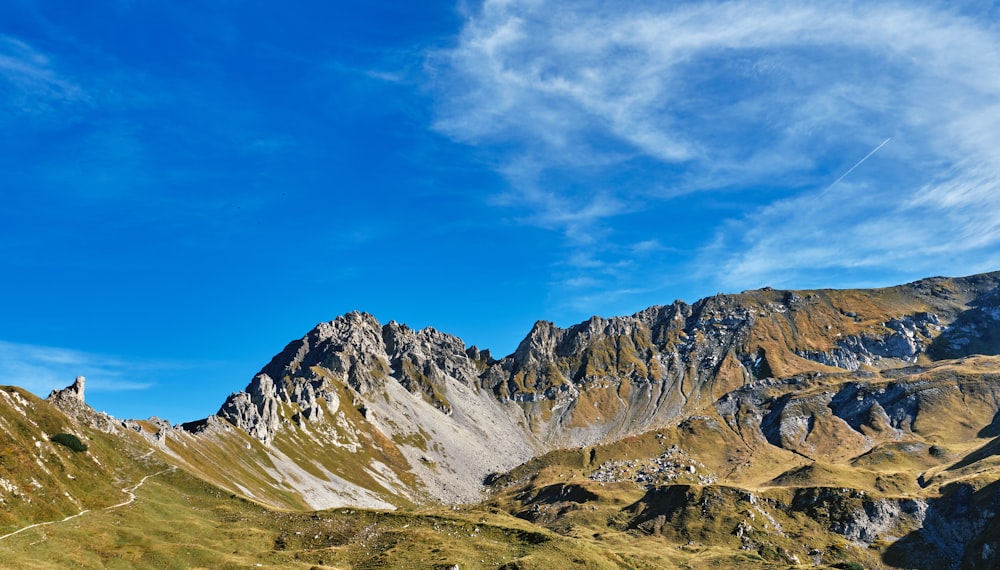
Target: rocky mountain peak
348	346
540	344
480	355
356	351
73	392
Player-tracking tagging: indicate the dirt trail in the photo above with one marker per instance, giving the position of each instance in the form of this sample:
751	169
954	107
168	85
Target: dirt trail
130	491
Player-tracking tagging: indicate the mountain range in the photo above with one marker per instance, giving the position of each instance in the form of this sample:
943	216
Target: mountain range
765	428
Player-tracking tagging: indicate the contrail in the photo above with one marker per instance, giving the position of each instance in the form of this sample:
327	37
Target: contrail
858	163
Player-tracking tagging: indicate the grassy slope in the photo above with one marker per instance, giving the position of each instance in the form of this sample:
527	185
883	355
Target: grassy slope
178	521
47	481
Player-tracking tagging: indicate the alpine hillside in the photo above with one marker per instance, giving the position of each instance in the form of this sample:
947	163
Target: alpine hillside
786	427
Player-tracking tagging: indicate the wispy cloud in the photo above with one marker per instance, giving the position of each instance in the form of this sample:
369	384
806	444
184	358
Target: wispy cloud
598	110
42	369
34	87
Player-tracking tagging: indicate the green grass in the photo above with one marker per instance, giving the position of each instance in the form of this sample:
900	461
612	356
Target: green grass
178	521
50	481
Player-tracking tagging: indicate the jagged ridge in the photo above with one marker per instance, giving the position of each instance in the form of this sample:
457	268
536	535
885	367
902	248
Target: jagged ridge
465	414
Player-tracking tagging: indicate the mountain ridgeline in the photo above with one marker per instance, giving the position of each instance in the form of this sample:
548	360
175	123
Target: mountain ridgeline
394	416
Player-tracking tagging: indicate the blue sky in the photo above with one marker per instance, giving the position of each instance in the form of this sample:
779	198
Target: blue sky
188	186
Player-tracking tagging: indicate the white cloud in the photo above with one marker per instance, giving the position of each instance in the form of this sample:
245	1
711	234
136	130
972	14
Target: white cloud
42	369
33	85
597	109
648	246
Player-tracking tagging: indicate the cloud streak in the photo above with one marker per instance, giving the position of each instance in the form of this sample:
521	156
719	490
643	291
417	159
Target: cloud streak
596	111
42	369
34	88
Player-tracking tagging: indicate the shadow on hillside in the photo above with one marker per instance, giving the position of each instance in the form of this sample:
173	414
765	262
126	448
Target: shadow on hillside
993	429
973	331
561	493
961	530
989	449
659	502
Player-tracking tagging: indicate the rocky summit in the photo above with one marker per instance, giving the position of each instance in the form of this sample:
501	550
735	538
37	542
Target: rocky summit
818	427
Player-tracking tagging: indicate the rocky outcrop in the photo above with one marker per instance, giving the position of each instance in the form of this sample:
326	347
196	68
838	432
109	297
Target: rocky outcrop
847	512
958	530
255	410
70	401
902	341
975	331
422	361
71	394
155	430
857	517
838	421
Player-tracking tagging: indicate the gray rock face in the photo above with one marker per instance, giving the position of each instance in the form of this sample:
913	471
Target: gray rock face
255	410
857	517
857	414
71	393
880	518
359	352
159	437
70	401
422	361
350	347
955	532
976	331
902	343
